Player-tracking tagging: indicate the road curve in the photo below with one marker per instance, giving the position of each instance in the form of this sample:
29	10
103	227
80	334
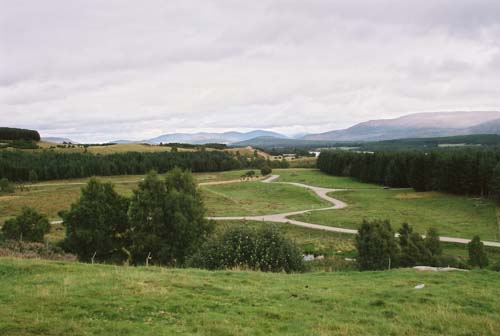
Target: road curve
337	204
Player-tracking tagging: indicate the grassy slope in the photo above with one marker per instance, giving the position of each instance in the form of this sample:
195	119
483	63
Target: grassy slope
48	298
257	198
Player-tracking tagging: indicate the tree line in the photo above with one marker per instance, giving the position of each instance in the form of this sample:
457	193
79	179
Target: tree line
22	166
463	172
8	133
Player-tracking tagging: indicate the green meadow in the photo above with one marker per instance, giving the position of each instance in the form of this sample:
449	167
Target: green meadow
57	298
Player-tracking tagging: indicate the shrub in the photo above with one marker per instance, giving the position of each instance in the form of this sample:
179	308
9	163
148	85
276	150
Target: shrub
265	249
28	226
376	245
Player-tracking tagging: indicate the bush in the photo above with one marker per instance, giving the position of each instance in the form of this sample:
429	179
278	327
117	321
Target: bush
29	226
376	245
266	170
265	249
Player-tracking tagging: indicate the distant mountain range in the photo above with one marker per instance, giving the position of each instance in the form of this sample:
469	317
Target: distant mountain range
205	137
417	125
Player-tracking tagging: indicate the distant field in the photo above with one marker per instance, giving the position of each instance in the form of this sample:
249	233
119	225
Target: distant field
455	216
111	149
257	198
57	298
50	197
317	178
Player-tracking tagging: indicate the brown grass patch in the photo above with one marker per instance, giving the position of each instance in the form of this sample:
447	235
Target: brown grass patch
416	195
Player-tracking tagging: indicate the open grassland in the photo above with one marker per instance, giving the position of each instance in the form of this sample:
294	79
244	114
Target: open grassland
50	197
317	178
56	298
256	198
455	216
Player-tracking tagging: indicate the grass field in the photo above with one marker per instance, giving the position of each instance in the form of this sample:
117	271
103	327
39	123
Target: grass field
56	298
455	216
257	198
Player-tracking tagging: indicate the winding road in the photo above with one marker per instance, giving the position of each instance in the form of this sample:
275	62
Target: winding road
336	204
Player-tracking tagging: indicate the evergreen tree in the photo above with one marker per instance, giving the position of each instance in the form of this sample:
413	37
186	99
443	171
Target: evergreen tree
97	223
413	248
433	243
376	245
494	186
477	254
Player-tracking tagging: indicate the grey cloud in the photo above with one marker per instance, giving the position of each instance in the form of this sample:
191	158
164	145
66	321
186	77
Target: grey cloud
98	70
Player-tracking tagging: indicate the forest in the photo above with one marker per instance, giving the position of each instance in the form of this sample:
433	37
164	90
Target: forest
8	133
48	165
463	172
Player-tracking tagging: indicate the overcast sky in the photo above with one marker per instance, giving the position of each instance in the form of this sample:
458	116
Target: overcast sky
98	70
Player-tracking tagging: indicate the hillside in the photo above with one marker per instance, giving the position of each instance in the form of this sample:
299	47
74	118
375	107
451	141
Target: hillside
62	298
417	125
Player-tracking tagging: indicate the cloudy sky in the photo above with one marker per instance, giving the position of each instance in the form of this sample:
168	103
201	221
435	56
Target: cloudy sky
97	70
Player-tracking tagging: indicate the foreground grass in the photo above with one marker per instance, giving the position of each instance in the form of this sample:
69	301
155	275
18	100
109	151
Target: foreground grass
257	198
455	216
55	298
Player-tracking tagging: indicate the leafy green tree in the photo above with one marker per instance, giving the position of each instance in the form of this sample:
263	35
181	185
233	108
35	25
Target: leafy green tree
376	245
167	219
477	254
28	226
97	223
